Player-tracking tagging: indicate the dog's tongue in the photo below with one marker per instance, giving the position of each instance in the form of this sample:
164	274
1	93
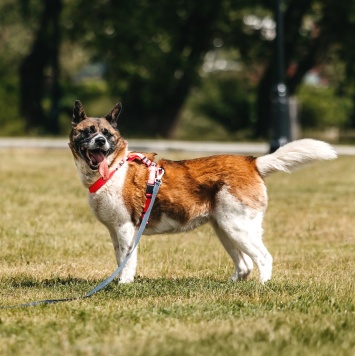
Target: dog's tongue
103	169
103	166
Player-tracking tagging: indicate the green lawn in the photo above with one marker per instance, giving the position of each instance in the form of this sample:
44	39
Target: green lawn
182	302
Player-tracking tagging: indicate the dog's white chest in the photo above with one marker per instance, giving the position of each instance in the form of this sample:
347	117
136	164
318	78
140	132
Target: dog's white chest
107	203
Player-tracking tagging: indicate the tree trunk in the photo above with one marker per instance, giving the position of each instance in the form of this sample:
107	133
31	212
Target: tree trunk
53	125
173	88
44	53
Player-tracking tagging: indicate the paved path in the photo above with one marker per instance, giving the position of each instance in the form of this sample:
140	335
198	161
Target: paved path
158	146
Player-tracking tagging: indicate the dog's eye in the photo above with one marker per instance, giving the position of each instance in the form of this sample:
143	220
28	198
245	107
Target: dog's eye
89	131
105	131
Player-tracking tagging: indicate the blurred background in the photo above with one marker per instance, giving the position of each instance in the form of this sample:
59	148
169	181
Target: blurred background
184	69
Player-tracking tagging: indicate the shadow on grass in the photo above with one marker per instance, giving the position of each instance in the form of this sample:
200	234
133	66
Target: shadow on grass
30	282
228	297
76	288
154	288
141	287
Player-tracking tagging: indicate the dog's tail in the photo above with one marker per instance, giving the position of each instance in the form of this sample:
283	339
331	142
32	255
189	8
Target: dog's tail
295	155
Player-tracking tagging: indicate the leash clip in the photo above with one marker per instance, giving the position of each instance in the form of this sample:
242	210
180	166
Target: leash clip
159	175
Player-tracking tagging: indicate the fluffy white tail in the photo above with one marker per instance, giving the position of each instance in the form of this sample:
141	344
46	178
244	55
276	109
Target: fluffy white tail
295	155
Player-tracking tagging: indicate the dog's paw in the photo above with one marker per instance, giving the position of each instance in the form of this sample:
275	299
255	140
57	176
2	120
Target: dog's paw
241	276
124	280
242	272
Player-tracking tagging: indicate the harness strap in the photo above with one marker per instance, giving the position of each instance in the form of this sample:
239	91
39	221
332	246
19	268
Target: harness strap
130	158
140	156
100	182
154	171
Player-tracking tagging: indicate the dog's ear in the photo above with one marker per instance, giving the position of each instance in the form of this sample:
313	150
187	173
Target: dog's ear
114	114
78	113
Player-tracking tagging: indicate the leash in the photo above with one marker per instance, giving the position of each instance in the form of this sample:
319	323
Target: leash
108	280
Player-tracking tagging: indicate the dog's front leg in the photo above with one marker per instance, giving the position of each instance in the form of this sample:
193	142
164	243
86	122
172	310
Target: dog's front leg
123	237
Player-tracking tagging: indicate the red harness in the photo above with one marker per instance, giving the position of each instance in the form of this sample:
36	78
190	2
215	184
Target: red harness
154	171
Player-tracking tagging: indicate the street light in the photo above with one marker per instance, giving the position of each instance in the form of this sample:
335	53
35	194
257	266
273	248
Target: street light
280	118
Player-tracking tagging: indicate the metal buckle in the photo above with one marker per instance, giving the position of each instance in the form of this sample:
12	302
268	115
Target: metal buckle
159	175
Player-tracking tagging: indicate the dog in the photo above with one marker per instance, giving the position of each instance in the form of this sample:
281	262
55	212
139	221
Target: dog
226	190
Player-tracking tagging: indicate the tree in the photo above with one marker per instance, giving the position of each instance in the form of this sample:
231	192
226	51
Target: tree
44	54
310	49
153	51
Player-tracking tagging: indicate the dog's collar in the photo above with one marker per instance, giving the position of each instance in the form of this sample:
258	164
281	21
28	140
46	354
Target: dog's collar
101	181
131	157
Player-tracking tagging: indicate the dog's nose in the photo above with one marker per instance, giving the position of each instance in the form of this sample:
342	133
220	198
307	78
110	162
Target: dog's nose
100	141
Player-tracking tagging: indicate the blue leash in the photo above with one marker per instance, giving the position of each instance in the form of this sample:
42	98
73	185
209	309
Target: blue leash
108	280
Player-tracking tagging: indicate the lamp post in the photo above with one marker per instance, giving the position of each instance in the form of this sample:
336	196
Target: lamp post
280	118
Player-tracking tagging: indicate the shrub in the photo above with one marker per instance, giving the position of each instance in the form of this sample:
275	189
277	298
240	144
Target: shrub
227	99
321	108
10	121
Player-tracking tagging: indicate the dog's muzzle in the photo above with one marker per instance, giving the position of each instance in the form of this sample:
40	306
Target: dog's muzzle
94	150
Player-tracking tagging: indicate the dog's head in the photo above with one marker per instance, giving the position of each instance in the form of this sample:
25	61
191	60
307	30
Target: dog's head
95	142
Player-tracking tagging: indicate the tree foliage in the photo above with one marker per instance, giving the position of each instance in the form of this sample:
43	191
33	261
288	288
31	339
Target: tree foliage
153	53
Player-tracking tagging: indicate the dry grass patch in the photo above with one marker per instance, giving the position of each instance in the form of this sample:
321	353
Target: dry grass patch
181	302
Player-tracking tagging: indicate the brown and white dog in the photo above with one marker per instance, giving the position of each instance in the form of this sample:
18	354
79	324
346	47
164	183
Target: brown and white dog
226	190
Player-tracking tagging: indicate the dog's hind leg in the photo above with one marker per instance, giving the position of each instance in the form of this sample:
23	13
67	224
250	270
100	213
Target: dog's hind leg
123	242
242	231
242	262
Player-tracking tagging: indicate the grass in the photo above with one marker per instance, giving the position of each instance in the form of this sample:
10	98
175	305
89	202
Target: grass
181	302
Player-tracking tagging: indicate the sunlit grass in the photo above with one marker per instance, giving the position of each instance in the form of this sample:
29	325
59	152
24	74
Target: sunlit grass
182	302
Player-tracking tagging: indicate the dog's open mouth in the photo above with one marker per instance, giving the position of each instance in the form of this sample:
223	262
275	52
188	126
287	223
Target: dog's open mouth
96	159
